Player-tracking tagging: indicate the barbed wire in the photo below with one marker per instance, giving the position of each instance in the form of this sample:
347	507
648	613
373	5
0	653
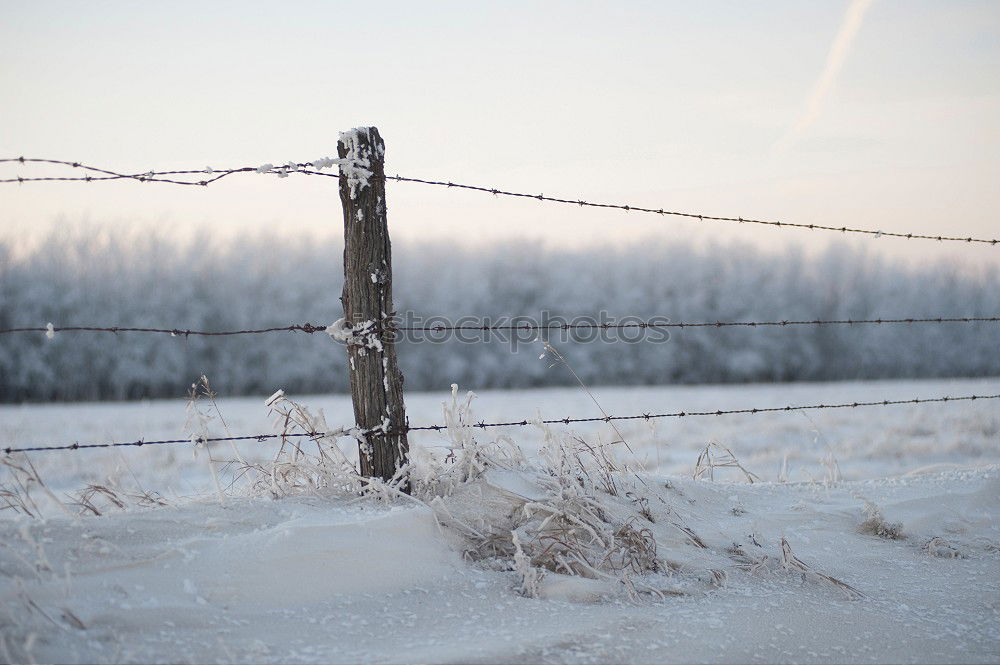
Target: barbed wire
512	423
721	412
106	174
310	168
656	323
699	216
173	332
199	440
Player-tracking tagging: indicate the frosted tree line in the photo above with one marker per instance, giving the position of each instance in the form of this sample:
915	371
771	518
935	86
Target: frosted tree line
96	276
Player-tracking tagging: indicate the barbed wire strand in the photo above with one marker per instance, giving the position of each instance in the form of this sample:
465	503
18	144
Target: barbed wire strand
304	168
655	324
173	332
146	176
698	216
683	414
310	328
194	440
513	423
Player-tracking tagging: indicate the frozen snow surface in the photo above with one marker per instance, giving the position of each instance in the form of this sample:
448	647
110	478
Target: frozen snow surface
887	519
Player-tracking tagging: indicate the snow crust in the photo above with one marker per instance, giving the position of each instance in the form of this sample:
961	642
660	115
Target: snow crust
304	580
321	578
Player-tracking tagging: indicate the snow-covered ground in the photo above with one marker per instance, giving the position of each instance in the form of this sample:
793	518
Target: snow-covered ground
871	536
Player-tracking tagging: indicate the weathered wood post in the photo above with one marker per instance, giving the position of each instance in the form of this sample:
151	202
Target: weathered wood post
376	382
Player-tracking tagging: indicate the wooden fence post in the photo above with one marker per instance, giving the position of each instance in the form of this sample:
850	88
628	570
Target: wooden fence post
376	382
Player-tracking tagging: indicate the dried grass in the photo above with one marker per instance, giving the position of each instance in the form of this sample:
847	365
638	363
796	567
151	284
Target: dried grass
792	563
943	549
312	464
716	456
24	478
876	525
585	517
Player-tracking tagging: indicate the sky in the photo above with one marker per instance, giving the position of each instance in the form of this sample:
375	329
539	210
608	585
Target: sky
882	114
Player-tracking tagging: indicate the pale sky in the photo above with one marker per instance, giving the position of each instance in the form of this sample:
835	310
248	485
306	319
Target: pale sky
882	114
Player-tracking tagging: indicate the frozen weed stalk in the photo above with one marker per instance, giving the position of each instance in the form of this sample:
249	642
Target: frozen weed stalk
875	523
716	456
467	457
17	495
24	478
792	563
561	360
198	426
316	467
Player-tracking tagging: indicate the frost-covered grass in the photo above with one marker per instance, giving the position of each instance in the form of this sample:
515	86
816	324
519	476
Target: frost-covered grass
866	535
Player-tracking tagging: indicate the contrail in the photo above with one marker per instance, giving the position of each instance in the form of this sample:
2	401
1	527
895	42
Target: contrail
834	61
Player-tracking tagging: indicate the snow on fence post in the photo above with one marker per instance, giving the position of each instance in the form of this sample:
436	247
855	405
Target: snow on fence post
376	382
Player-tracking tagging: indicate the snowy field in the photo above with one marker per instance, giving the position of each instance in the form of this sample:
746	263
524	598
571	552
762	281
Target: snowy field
870	535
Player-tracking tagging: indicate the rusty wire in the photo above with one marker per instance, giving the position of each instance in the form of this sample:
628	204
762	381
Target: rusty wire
513	423
652	324
304	168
